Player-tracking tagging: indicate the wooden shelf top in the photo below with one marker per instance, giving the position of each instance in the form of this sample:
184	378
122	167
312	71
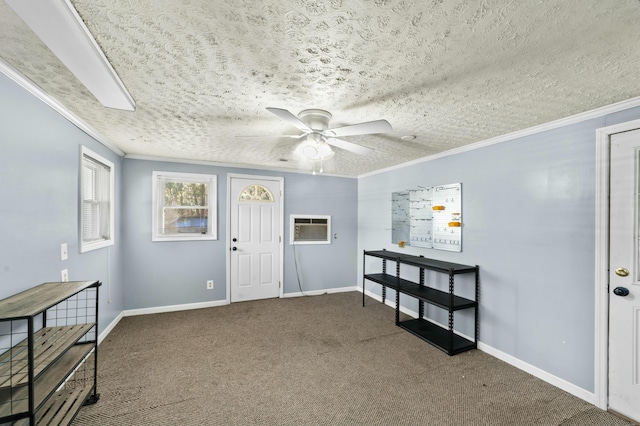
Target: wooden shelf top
40	298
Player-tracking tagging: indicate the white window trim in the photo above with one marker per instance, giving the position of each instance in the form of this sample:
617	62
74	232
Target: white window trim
213	207
94	245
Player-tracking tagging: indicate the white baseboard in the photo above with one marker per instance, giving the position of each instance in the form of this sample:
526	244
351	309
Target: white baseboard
173	308
539	373
201	305
320	292
189	306
509	359
388	301
109	328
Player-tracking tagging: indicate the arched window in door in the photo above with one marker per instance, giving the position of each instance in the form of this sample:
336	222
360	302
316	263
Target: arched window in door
256	192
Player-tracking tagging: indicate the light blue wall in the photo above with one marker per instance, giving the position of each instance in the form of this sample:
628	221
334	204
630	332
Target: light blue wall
172	273
39	169
529	223
39	161
528	210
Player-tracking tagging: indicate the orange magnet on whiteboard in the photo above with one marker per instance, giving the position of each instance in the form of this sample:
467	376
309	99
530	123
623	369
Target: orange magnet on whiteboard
438	207
454	224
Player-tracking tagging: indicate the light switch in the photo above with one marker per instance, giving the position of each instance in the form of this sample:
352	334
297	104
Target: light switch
63	251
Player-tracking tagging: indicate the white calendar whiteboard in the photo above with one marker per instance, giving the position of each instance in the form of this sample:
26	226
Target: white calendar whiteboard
420	218
447	217
428	217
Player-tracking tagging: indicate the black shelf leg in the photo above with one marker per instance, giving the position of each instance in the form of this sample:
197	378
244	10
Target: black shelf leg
364	263
477	335
93	398
397	307
451	312
384	288
31	372
96	396
421	302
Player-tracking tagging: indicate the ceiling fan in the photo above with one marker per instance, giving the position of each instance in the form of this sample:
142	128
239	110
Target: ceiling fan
314	123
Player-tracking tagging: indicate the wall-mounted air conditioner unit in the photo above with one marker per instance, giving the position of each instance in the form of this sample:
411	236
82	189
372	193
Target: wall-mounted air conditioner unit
310	229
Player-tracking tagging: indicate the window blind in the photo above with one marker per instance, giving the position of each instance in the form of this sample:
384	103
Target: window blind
96	201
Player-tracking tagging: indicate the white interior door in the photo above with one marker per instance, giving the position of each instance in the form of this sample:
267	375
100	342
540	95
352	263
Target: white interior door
255	226
624	276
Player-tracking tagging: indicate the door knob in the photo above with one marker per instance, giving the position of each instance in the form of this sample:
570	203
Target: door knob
234	248
234	240
621	291
622	272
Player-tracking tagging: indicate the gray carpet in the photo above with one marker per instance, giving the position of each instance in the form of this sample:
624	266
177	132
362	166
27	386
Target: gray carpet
322	360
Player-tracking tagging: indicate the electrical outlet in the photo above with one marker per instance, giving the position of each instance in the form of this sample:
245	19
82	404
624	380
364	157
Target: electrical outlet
210	285
63	251
64	275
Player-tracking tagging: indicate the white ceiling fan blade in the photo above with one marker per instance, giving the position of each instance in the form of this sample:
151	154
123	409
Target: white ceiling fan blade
368	128
358	149
289	118
271	136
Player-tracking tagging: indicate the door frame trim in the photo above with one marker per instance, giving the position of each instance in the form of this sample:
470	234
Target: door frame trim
280	181
601	362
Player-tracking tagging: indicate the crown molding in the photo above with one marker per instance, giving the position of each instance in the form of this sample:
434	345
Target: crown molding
230	165
62	30
573	119
31	87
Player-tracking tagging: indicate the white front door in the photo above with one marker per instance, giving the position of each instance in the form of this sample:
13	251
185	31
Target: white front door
624	276
255	226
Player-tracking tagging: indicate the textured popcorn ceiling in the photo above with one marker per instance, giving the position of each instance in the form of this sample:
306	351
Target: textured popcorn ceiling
450	72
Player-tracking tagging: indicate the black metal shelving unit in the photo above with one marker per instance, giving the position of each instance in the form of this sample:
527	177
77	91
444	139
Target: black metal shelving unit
445	339
48	353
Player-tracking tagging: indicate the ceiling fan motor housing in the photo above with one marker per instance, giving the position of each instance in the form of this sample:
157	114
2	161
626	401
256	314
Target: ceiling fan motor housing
317	119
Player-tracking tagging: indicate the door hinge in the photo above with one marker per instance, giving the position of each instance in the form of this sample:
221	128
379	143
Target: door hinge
279	284
280	238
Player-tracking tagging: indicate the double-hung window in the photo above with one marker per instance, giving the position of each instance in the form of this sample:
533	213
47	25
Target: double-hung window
184	207
96	201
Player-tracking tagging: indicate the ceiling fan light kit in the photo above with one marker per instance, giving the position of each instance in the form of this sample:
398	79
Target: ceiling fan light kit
314	148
